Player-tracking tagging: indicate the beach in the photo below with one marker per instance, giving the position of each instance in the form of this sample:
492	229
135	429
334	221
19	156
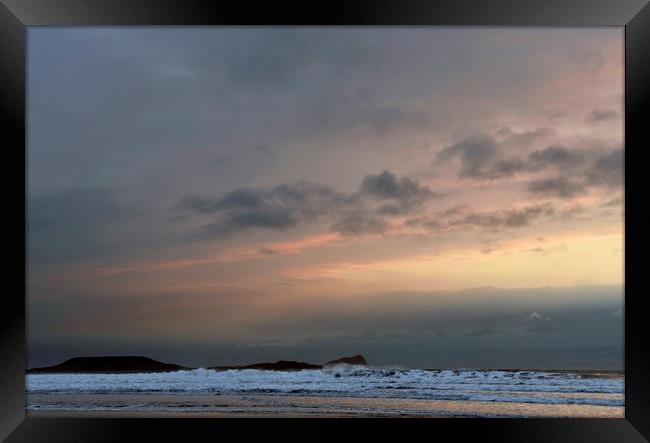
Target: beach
336	392
211	406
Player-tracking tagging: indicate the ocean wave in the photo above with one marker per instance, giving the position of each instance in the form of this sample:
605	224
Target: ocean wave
350	381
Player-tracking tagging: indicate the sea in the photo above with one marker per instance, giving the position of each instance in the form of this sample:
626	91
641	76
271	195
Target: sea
341	391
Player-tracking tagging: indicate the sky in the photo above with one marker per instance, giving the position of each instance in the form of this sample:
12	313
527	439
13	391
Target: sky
428	197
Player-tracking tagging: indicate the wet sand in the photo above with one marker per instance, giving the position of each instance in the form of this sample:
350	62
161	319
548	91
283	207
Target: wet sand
211	406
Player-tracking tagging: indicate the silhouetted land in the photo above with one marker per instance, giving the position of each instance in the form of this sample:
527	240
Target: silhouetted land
357	359
132	364
281	365
135	364
109	365
288	365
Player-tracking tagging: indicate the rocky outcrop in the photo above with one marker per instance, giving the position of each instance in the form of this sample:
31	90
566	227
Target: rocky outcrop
281	365
357	359
113	364
285	365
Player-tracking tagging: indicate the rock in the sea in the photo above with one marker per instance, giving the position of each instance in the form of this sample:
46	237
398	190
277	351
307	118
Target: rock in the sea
354	360
281	365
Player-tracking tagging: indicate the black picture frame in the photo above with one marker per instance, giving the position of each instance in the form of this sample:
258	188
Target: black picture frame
16	15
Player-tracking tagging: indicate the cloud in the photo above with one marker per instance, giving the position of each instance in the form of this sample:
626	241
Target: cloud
477	154
267	251
387	186
557	156
523	138
560	187
510	218
483	157
359	223
546	251
615	202
289	205
404	194
278	207
602	170
464	218
456	210
601	115
607	170
202	205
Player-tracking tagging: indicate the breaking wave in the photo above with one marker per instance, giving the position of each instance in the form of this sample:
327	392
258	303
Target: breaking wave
352	381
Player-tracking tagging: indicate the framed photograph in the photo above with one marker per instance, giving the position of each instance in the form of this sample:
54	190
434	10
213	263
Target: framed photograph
217	214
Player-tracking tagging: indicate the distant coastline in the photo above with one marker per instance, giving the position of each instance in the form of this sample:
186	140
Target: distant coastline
140	364
109	364
135	364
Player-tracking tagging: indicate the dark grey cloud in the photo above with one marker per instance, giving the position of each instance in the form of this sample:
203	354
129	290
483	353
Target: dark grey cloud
278	207
560	187
523	138
509	218
476	153
465	218
582	170
359	223
607	170
574	212
387	186
601	115
428	223
404	194
482	157
290	205
456	210
557	156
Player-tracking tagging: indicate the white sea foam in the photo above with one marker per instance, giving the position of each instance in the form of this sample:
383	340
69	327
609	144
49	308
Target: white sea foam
350	381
